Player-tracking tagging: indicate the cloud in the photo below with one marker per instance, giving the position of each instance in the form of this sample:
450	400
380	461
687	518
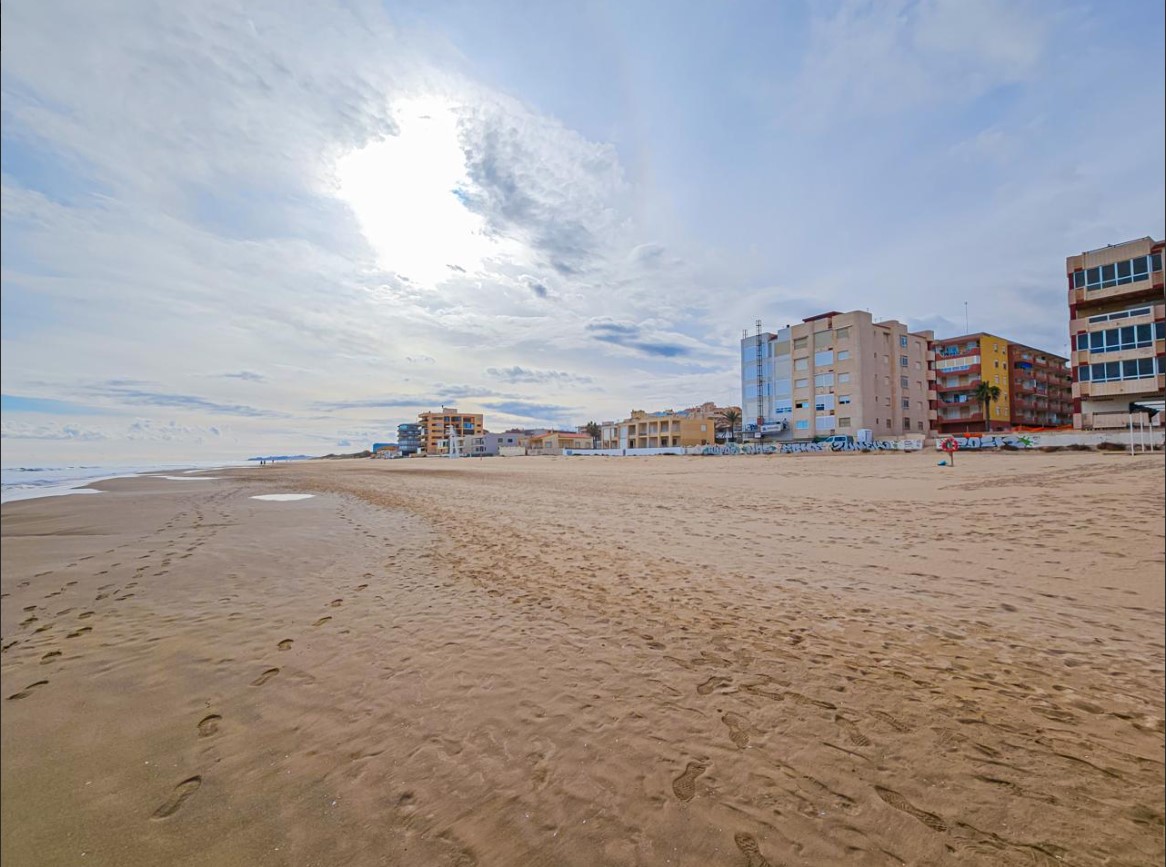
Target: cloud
546	412
51	431
141	397
535	181
171	431
245	375
518	374
632	336
869	59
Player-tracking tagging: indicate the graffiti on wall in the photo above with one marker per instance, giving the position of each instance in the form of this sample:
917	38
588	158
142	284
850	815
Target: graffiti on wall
798	448
993	441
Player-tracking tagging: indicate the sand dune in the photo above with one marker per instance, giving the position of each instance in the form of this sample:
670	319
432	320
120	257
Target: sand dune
785	660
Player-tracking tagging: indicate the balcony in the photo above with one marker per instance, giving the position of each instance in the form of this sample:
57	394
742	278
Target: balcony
967	386
1145	385
1150	289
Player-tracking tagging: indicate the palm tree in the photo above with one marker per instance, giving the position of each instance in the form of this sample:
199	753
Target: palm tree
593	430
731	419
987	395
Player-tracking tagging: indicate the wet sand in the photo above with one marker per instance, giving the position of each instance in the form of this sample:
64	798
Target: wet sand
860	659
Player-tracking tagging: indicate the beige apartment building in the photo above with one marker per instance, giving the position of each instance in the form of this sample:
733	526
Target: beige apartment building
836	373
654	430
436	426
1117	321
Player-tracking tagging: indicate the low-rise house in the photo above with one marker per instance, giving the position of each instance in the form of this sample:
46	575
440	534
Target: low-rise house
556	441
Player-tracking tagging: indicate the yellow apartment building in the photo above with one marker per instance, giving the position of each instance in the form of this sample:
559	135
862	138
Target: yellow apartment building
960	365
436	427
653	430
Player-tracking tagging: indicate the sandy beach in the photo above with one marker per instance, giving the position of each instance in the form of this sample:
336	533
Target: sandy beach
836	659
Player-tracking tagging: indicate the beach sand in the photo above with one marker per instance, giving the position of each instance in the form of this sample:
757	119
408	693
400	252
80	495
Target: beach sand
836	659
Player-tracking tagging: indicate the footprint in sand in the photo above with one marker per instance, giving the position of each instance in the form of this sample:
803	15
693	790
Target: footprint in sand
266	676
336	603
321	621
894	799
738	729
750	850
79	632
181	792
28	690
852	731
894	723
286	644
50	656
361	587
208	725
684	786
713	683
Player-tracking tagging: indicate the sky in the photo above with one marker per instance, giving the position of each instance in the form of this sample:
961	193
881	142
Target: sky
232	229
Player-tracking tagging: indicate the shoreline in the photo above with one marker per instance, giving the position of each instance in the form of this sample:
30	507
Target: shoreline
551	661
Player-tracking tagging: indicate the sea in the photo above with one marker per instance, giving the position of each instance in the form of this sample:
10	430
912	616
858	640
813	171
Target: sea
26	483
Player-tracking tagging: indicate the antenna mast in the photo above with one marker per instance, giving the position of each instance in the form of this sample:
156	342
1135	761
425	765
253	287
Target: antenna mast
760	381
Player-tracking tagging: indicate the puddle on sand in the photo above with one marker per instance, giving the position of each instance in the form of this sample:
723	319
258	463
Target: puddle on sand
283	498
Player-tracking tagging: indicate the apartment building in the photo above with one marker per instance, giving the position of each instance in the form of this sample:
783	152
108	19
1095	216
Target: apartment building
410	438
436	426
653	430
1041	388
835	373
1034	385
1117	319
960	365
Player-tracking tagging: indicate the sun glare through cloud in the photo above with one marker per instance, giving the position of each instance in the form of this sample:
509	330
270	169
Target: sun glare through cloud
403	191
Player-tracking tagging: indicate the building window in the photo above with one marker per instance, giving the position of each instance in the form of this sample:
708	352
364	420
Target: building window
904	382
802	424
842	333
801	364
906	403
824	403
1117	339
888	423
823	359
906	423
903	340
824	422
800	343
1113	371
843	399
904	361
1121	314
844	421
843	377
1117	274
801	404
801	383
844	355
920	425
824	380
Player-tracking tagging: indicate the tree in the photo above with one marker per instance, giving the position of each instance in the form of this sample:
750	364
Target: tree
987	395
593	430
731	419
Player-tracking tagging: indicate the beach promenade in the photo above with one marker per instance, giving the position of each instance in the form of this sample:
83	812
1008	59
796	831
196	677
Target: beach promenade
819	659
